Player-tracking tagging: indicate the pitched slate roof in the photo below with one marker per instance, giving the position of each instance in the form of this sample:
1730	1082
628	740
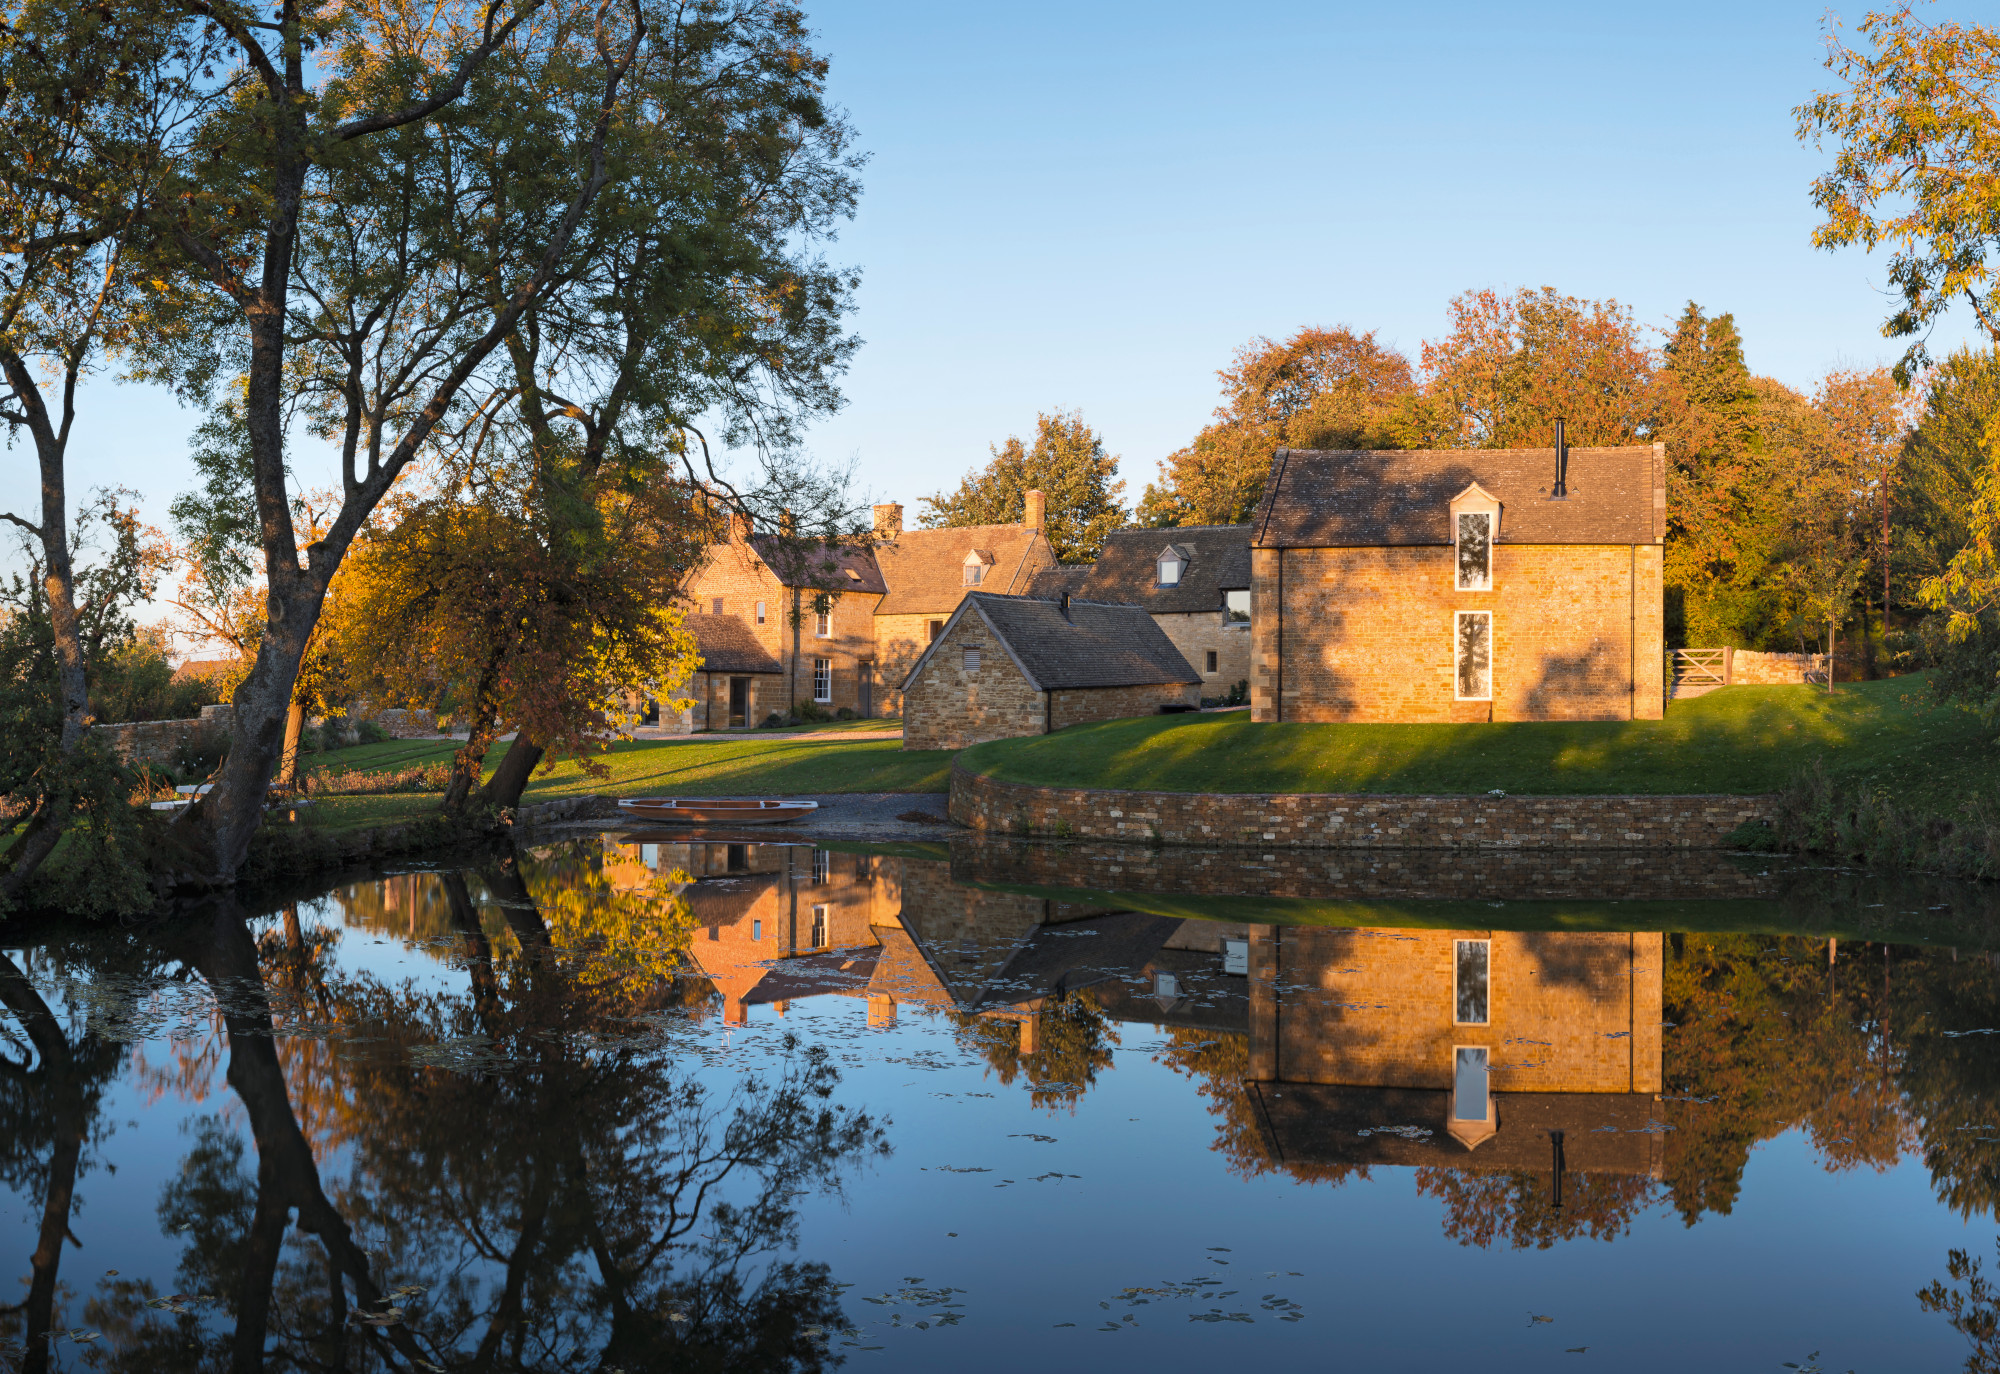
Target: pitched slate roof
805	565
728	646
1359	498
924	570
1128	569
1054	583
1089	645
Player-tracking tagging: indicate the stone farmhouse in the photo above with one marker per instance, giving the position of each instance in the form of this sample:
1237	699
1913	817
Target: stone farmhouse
772	637
1460	585
1195	583
1006	666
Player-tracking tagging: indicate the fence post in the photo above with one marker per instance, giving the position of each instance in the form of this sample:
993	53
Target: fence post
1728	664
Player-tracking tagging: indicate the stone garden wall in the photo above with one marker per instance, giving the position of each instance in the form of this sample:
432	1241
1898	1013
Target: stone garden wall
1337	820
162	741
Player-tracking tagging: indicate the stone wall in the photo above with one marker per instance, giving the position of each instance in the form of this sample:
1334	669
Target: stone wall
1088	705
900	641
1366	634
734	575
1336	820
403	724
1750	668
1197	635
161	741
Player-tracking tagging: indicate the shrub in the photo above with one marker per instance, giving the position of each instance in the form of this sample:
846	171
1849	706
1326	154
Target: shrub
368	732
420	777
844	713
1817	815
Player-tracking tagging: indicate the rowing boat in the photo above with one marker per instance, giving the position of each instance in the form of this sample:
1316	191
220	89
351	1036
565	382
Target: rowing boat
717	810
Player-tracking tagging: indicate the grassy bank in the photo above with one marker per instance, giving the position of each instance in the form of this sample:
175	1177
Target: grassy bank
1875	736
748	765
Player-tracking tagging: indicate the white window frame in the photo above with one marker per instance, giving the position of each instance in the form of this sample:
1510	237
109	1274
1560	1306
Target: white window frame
760	613
756	930
823	624
1227	619
1458	618
1169	558
822	679
822	924
822	865
1475	500
1487	1020
974	569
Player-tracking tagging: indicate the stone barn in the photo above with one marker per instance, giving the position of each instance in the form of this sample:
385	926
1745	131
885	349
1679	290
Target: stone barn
1005	666
1460	585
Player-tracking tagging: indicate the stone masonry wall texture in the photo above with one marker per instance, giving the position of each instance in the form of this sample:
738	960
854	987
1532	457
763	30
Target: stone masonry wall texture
1335	820
1366	634
1198	634
951	708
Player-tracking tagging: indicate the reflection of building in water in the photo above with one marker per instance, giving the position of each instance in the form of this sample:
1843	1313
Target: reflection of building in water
774	922
1417	1047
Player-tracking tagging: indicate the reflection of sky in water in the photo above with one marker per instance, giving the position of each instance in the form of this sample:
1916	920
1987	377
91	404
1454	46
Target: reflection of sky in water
1049	1223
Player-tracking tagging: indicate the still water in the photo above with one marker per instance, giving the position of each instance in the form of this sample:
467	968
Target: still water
633	1103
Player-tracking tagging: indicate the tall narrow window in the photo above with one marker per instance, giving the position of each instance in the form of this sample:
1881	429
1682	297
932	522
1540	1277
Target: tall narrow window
822	679
822	865
1473	655
936	629
819	927
1469	1096
823	616
1471	982
1474	538
760	613
756	930
1211	660
717	606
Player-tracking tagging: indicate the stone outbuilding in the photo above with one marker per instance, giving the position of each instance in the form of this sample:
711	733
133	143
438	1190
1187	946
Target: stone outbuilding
1195	583
1005	666
1460	585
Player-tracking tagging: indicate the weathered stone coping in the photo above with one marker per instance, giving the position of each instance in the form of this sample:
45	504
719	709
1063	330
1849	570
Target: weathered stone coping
1334	820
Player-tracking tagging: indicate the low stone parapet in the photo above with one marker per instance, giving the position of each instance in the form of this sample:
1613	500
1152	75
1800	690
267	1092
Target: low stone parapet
163	741
1332	820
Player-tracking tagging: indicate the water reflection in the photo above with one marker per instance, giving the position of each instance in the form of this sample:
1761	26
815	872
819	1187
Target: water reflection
528	1157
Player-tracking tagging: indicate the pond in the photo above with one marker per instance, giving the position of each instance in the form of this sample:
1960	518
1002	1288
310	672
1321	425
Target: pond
631	1102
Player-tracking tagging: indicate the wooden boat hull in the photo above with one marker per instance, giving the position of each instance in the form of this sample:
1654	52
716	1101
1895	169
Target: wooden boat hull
717	810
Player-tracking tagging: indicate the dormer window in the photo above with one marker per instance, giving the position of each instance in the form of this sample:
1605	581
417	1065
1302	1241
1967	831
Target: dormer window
977	561
1475	524
1173	562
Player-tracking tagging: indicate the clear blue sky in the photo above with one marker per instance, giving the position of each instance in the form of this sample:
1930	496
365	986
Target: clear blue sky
1093	205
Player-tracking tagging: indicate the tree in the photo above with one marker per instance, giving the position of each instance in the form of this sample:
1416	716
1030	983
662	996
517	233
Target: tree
1917	165
1966	595
1067	463
1708	422
1511	366
265	129
1321	388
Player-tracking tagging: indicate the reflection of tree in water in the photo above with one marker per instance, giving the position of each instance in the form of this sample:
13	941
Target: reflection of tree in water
1973	1310
55	1068
1219	1065
1074	1044
531	1179
1514	1207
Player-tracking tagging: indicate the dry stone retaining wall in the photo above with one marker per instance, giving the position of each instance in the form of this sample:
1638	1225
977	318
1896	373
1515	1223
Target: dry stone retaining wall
160	741
1338	820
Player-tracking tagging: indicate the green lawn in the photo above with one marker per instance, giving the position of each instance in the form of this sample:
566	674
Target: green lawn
1738	739
746	764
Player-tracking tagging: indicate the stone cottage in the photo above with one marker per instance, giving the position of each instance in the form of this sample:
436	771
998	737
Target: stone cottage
1005	666
1460	585
1195	583
790	639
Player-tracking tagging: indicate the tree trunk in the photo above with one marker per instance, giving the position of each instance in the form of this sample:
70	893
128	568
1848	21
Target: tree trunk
1832	640
288	760
483	725
72	1125
503	790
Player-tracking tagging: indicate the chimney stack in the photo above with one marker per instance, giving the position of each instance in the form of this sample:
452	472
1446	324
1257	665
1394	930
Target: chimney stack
788	524
1560	492
1036	514
888	520
739	527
